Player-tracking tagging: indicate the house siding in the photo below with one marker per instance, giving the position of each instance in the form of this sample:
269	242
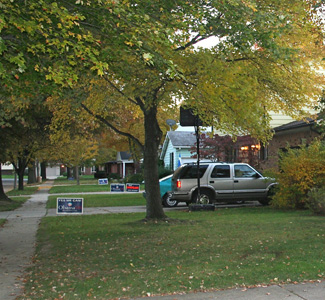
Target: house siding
170	149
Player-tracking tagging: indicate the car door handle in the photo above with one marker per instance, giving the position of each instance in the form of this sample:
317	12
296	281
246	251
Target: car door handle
211	181
235	181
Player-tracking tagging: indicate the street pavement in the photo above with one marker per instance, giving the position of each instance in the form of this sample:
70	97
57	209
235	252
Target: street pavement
17	246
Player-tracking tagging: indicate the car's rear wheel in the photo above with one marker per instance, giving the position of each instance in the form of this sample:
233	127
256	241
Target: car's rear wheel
205	197
168	202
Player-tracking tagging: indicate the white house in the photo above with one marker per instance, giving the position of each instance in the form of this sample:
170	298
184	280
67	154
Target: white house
176	148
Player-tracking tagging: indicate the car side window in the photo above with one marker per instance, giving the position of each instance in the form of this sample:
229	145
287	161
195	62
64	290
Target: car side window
243	171
190	172
221	171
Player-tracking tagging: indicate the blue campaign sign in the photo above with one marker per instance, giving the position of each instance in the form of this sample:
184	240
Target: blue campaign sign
69	206
117	187
103	181
133	187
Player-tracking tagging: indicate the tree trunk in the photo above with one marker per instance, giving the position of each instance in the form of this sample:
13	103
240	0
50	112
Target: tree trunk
43	171
76	174
69	173
21	172
3	196
32	173
153	136
20	168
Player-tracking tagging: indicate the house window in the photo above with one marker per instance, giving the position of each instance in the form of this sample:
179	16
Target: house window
171	160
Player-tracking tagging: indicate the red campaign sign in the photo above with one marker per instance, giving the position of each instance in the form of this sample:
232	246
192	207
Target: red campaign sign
132	187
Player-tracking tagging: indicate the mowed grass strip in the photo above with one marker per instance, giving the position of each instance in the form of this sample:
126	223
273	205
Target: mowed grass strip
115	256
84	179
82	189
12	205
79	189
28	190
104	200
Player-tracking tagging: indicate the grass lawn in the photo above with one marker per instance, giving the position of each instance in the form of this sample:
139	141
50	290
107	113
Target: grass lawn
84	179
79	189
106	200
12	176
111	256
16	202
28	190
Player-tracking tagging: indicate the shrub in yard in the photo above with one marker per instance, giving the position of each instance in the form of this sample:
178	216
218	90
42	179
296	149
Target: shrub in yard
316	201
134	178
301	170
114	176
163	172
100	174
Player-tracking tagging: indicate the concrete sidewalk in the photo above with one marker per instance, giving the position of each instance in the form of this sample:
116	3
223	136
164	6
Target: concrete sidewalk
17	241
17	246
302	291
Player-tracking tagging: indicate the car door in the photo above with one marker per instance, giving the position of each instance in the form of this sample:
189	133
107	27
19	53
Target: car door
221	180
248	183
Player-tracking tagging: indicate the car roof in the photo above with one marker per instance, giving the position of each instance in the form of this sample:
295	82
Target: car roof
214	163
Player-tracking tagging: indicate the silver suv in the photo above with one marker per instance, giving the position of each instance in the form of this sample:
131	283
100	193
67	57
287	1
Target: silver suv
221	182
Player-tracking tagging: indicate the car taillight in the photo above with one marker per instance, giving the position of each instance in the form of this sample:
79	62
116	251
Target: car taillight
178	184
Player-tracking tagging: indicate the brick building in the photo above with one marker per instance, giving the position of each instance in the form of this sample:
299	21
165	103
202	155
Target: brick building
291	135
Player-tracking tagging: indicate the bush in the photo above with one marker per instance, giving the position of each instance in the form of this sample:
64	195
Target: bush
163	172
100	174
134	178
316	201
114	176
301	170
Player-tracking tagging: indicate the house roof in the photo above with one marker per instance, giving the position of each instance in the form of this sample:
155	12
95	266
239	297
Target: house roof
178	139
295	124
182	138
125	155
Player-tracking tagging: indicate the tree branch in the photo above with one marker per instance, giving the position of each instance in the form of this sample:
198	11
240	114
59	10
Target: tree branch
193	41
104	121
119	91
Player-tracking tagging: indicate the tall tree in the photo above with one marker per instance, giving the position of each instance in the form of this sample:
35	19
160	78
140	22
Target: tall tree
26	137
265	59
72	135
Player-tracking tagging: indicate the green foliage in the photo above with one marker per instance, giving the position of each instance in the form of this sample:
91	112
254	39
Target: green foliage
134	178
316	200
144	51
114	176
163	172
301	170
100	174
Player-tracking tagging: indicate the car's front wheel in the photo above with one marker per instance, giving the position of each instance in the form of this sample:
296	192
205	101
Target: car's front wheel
168	202
269	197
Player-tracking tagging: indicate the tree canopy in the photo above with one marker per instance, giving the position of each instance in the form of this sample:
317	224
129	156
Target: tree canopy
266	58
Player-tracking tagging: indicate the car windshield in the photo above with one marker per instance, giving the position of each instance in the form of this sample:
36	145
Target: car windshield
190	172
